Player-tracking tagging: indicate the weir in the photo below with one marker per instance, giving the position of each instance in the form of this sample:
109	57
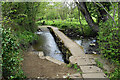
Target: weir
77	55
47	44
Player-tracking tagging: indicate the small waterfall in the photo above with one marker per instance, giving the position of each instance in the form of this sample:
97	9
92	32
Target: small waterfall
47	44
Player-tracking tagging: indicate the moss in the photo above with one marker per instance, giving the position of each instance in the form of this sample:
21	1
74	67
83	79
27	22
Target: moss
65	51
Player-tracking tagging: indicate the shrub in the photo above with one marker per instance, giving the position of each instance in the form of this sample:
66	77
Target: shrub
26	37
11	56
109	44
115	75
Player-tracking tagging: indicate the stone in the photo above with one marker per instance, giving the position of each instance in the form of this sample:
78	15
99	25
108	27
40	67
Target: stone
73	59
76	75
90	69
42	57
92	61
94	52
84	61
40	54
81	61
94	75
92	56
54	60
64	76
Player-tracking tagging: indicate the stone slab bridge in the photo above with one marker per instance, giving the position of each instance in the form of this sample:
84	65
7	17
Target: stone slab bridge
86	63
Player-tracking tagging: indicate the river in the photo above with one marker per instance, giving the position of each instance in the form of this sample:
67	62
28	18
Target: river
47	44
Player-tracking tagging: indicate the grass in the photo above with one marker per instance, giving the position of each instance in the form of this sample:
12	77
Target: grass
74	66
67	24
59	23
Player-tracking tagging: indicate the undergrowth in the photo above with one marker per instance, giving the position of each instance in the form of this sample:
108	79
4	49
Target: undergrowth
109	46
11	56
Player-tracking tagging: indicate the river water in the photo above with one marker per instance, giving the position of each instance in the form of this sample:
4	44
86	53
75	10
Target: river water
47	44
85	43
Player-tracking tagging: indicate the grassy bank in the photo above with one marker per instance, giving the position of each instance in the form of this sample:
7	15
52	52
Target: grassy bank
71	27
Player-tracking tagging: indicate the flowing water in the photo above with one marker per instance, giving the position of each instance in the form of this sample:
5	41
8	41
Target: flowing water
47	44
85	43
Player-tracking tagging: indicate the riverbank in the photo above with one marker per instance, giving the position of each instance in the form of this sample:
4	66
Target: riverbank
34	67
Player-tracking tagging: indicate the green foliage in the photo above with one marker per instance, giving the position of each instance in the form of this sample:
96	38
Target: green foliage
75	66
11	56
26	37
87	31
69	65
21	18
99	64
74	25
115	75
109	40
21	14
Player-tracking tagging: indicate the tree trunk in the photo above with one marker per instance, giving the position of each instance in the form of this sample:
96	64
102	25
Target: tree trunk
80	22
82	7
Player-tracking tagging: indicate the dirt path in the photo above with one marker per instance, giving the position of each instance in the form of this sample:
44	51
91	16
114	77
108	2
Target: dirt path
35	67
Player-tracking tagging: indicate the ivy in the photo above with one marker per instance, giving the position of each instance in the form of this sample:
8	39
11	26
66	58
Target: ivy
19	27
11	56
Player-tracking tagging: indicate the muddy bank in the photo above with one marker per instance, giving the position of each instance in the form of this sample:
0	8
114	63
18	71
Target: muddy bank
65	51
34	67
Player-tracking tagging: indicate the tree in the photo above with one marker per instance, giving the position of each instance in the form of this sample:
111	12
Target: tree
99	9
63	11
83	8
20	15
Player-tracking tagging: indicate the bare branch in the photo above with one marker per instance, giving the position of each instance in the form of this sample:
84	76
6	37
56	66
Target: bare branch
104	9
113	9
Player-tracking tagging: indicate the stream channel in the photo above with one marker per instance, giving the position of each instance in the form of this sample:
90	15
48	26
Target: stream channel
89	45
47	44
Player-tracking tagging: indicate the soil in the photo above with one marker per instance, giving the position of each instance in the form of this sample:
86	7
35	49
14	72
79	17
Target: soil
35	67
